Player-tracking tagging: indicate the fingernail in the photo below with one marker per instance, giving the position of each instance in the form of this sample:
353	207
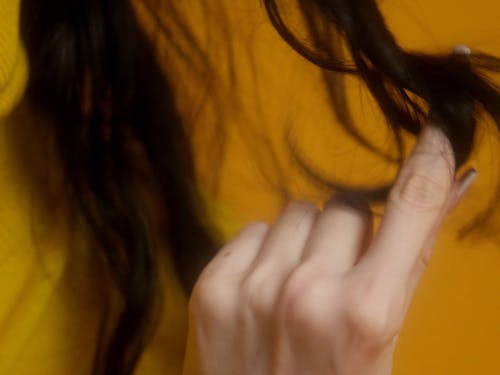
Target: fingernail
465	182
463	53
462	49
462	185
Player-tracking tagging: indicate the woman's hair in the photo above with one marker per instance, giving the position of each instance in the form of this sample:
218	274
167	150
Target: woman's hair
451	90
96	74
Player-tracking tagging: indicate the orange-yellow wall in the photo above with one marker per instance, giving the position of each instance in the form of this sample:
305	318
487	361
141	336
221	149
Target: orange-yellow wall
454	324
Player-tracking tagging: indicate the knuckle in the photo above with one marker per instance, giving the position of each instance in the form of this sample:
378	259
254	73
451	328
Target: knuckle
369	319
367	326
421	191
210	299
254	297
303	305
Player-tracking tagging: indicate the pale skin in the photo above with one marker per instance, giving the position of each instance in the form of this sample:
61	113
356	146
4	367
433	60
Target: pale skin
319	292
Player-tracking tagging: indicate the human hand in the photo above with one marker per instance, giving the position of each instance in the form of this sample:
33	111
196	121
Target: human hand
318	292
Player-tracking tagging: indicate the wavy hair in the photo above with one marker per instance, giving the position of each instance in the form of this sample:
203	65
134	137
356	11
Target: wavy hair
452	90
95	73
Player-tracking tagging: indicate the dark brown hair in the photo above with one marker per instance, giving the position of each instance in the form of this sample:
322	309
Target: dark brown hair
95	52
452	90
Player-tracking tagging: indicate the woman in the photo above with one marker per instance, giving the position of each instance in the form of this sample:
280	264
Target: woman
112	214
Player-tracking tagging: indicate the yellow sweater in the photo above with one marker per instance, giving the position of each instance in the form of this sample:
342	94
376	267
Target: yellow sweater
13	67
48	314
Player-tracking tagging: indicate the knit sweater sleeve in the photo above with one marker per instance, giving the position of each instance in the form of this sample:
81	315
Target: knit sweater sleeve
13	61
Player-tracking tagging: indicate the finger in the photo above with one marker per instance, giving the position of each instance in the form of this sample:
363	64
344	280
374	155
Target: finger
235	258
339	235
414	207
284	244
277	258
459	189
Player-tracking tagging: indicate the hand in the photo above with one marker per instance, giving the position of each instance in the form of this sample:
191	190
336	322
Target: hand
318	293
